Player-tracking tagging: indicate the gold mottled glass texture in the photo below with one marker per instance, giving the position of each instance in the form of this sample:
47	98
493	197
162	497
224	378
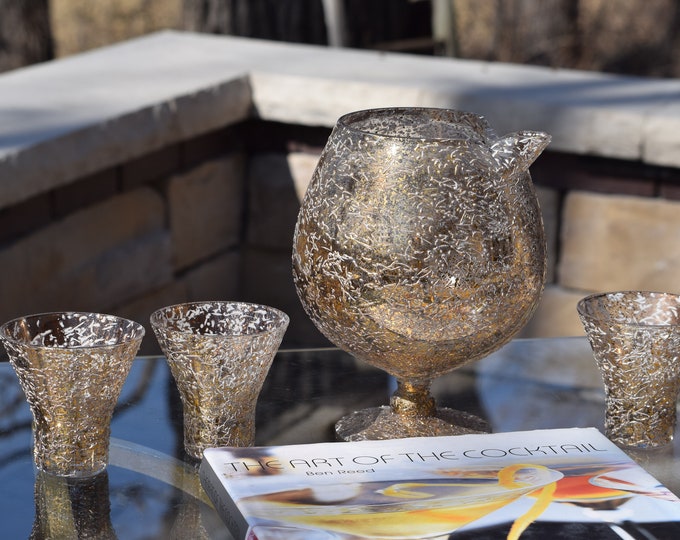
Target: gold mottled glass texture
420	247
635	337
71	367
219	354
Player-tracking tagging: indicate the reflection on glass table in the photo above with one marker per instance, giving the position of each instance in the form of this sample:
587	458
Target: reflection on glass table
151	489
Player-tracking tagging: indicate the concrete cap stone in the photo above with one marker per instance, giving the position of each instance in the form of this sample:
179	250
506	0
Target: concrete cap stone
67	118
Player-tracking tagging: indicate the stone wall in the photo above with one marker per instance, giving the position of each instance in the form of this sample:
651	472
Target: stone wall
612	225
216	222
188	187
160	229
208	218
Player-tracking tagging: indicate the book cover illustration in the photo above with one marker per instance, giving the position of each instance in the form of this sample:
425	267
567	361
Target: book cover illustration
507	485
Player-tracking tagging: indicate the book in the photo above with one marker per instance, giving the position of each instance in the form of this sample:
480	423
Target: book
557	483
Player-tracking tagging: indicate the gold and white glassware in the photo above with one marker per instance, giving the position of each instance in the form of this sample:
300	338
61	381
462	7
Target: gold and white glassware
419	248
219	354
635	338
71	367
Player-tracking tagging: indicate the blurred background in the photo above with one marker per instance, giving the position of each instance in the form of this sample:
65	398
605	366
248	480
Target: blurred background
209	213
635	37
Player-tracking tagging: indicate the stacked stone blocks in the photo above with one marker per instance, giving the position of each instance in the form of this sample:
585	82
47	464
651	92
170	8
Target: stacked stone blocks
188	187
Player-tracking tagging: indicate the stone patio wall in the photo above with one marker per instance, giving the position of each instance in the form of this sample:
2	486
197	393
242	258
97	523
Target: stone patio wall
171	168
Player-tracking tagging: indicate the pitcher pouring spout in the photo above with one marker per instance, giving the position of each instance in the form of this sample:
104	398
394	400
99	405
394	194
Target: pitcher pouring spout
514	153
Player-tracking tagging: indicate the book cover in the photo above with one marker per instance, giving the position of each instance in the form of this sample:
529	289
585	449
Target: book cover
563	483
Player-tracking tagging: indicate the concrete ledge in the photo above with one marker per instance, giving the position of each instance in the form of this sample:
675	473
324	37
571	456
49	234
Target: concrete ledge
68	118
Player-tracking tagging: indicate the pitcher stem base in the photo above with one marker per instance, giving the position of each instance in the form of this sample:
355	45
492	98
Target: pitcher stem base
378	423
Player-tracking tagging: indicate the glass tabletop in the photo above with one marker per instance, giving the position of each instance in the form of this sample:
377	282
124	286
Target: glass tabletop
151	491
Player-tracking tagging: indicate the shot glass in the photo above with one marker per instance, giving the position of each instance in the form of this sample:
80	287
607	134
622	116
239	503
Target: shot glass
635	338
71	367
219	354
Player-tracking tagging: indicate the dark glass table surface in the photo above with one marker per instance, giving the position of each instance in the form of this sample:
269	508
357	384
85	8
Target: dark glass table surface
151	491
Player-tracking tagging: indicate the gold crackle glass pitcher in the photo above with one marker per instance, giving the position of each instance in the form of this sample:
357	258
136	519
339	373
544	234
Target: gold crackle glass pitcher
419	247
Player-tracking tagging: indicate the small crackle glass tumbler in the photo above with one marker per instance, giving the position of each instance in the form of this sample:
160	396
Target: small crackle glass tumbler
635	338
219	354
71	367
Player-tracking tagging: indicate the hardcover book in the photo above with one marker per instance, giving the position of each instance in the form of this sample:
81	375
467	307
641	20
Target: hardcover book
564	483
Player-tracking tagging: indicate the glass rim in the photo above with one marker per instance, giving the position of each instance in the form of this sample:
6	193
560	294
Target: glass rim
282	319
138	330
347	121
581	307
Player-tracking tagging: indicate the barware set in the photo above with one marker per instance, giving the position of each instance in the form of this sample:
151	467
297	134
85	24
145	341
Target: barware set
72	366
419	248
